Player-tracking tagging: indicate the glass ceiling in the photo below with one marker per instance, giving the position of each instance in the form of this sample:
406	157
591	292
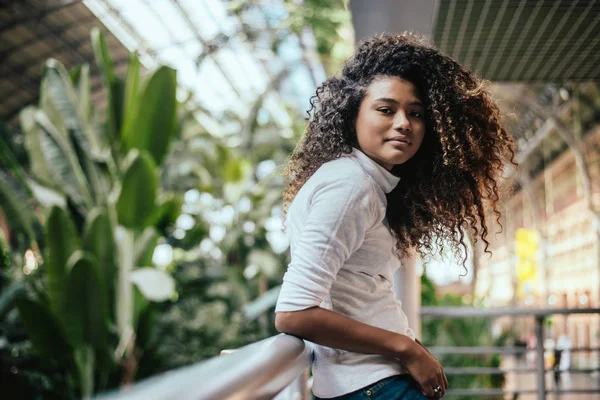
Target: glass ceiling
227	54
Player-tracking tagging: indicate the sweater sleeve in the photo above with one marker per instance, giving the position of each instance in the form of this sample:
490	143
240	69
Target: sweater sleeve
339	215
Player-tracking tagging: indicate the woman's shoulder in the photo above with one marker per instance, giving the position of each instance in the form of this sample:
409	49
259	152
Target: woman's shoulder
343	168
343	176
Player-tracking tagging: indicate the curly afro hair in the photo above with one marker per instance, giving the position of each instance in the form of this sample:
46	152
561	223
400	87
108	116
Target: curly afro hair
448	185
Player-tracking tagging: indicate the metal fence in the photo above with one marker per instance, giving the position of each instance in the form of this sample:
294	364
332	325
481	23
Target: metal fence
276	368
540	371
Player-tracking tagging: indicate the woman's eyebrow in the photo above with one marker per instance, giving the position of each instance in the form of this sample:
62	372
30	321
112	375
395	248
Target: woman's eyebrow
394	101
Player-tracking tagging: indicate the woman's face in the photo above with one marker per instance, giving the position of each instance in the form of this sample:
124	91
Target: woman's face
391	121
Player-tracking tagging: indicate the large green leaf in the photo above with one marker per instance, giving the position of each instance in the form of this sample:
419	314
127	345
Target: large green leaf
62	161
98	239
102	56
89	137
46	196
32	134
85	310
131	95
60	99
98	184
68	107
85	361
84	92
114	85
93	139
136	203
153	122
62	240
45	333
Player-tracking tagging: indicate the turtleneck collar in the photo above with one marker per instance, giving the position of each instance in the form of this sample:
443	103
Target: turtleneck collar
384	178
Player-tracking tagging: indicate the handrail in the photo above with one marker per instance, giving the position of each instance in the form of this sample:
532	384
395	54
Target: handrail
496	350
470	312
538	313
257	371
263	369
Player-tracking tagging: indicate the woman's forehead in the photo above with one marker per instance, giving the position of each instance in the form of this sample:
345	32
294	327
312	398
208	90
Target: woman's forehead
393	87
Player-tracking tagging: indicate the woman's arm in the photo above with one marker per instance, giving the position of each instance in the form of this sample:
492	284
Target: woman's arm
331	329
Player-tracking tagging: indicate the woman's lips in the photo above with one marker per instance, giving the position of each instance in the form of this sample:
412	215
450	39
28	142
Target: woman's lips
399	142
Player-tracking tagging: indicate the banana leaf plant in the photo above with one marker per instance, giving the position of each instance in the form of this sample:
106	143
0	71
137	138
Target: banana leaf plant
106	218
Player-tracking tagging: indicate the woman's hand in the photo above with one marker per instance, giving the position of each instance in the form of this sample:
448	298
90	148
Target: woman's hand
426	370
331	329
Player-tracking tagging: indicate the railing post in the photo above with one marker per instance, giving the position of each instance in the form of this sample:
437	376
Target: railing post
540	364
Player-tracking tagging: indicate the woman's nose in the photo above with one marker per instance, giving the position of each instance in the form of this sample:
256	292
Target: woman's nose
401	122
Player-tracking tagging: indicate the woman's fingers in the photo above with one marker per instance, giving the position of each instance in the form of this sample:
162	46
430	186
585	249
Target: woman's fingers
428	392
438	391
426	389
438	388
445	382
434	388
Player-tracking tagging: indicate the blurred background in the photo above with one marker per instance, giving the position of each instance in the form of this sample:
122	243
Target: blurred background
141	147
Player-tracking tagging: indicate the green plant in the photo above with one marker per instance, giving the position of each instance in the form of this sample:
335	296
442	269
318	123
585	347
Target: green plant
107	210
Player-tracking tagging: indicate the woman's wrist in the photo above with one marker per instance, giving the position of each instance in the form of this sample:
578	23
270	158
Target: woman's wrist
404	347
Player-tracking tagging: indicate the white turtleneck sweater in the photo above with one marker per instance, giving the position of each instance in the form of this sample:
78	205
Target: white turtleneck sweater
342	260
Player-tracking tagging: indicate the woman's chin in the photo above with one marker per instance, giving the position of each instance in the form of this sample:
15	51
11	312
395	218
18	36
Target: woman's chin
399	159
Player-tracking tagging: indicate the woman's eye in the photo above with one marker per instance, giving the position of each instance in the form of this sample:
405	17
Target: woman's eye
417	114
385	110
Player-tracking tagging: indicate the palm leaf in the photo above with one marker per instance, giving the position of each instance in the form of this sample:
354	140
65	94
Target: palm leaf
62	161
136	204
153	120
46	335
62	240
98	240
85	307
68	108
32	134
114	85
131	95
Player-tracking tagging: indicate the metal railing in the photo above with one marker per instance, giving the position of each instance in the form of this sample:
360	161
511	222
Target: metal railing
540	370
272	368
276	368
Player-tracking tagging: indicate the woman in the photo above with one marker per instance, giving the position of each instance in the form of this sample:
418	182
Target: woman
401	151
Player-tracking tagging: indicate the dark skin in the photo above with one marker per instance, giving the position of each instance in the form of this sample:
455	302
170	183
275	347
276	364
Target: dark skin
328	328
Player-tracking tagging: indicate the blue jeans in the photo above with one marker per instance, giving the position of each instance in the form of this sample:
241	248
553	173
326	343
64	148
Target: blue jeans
399	387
